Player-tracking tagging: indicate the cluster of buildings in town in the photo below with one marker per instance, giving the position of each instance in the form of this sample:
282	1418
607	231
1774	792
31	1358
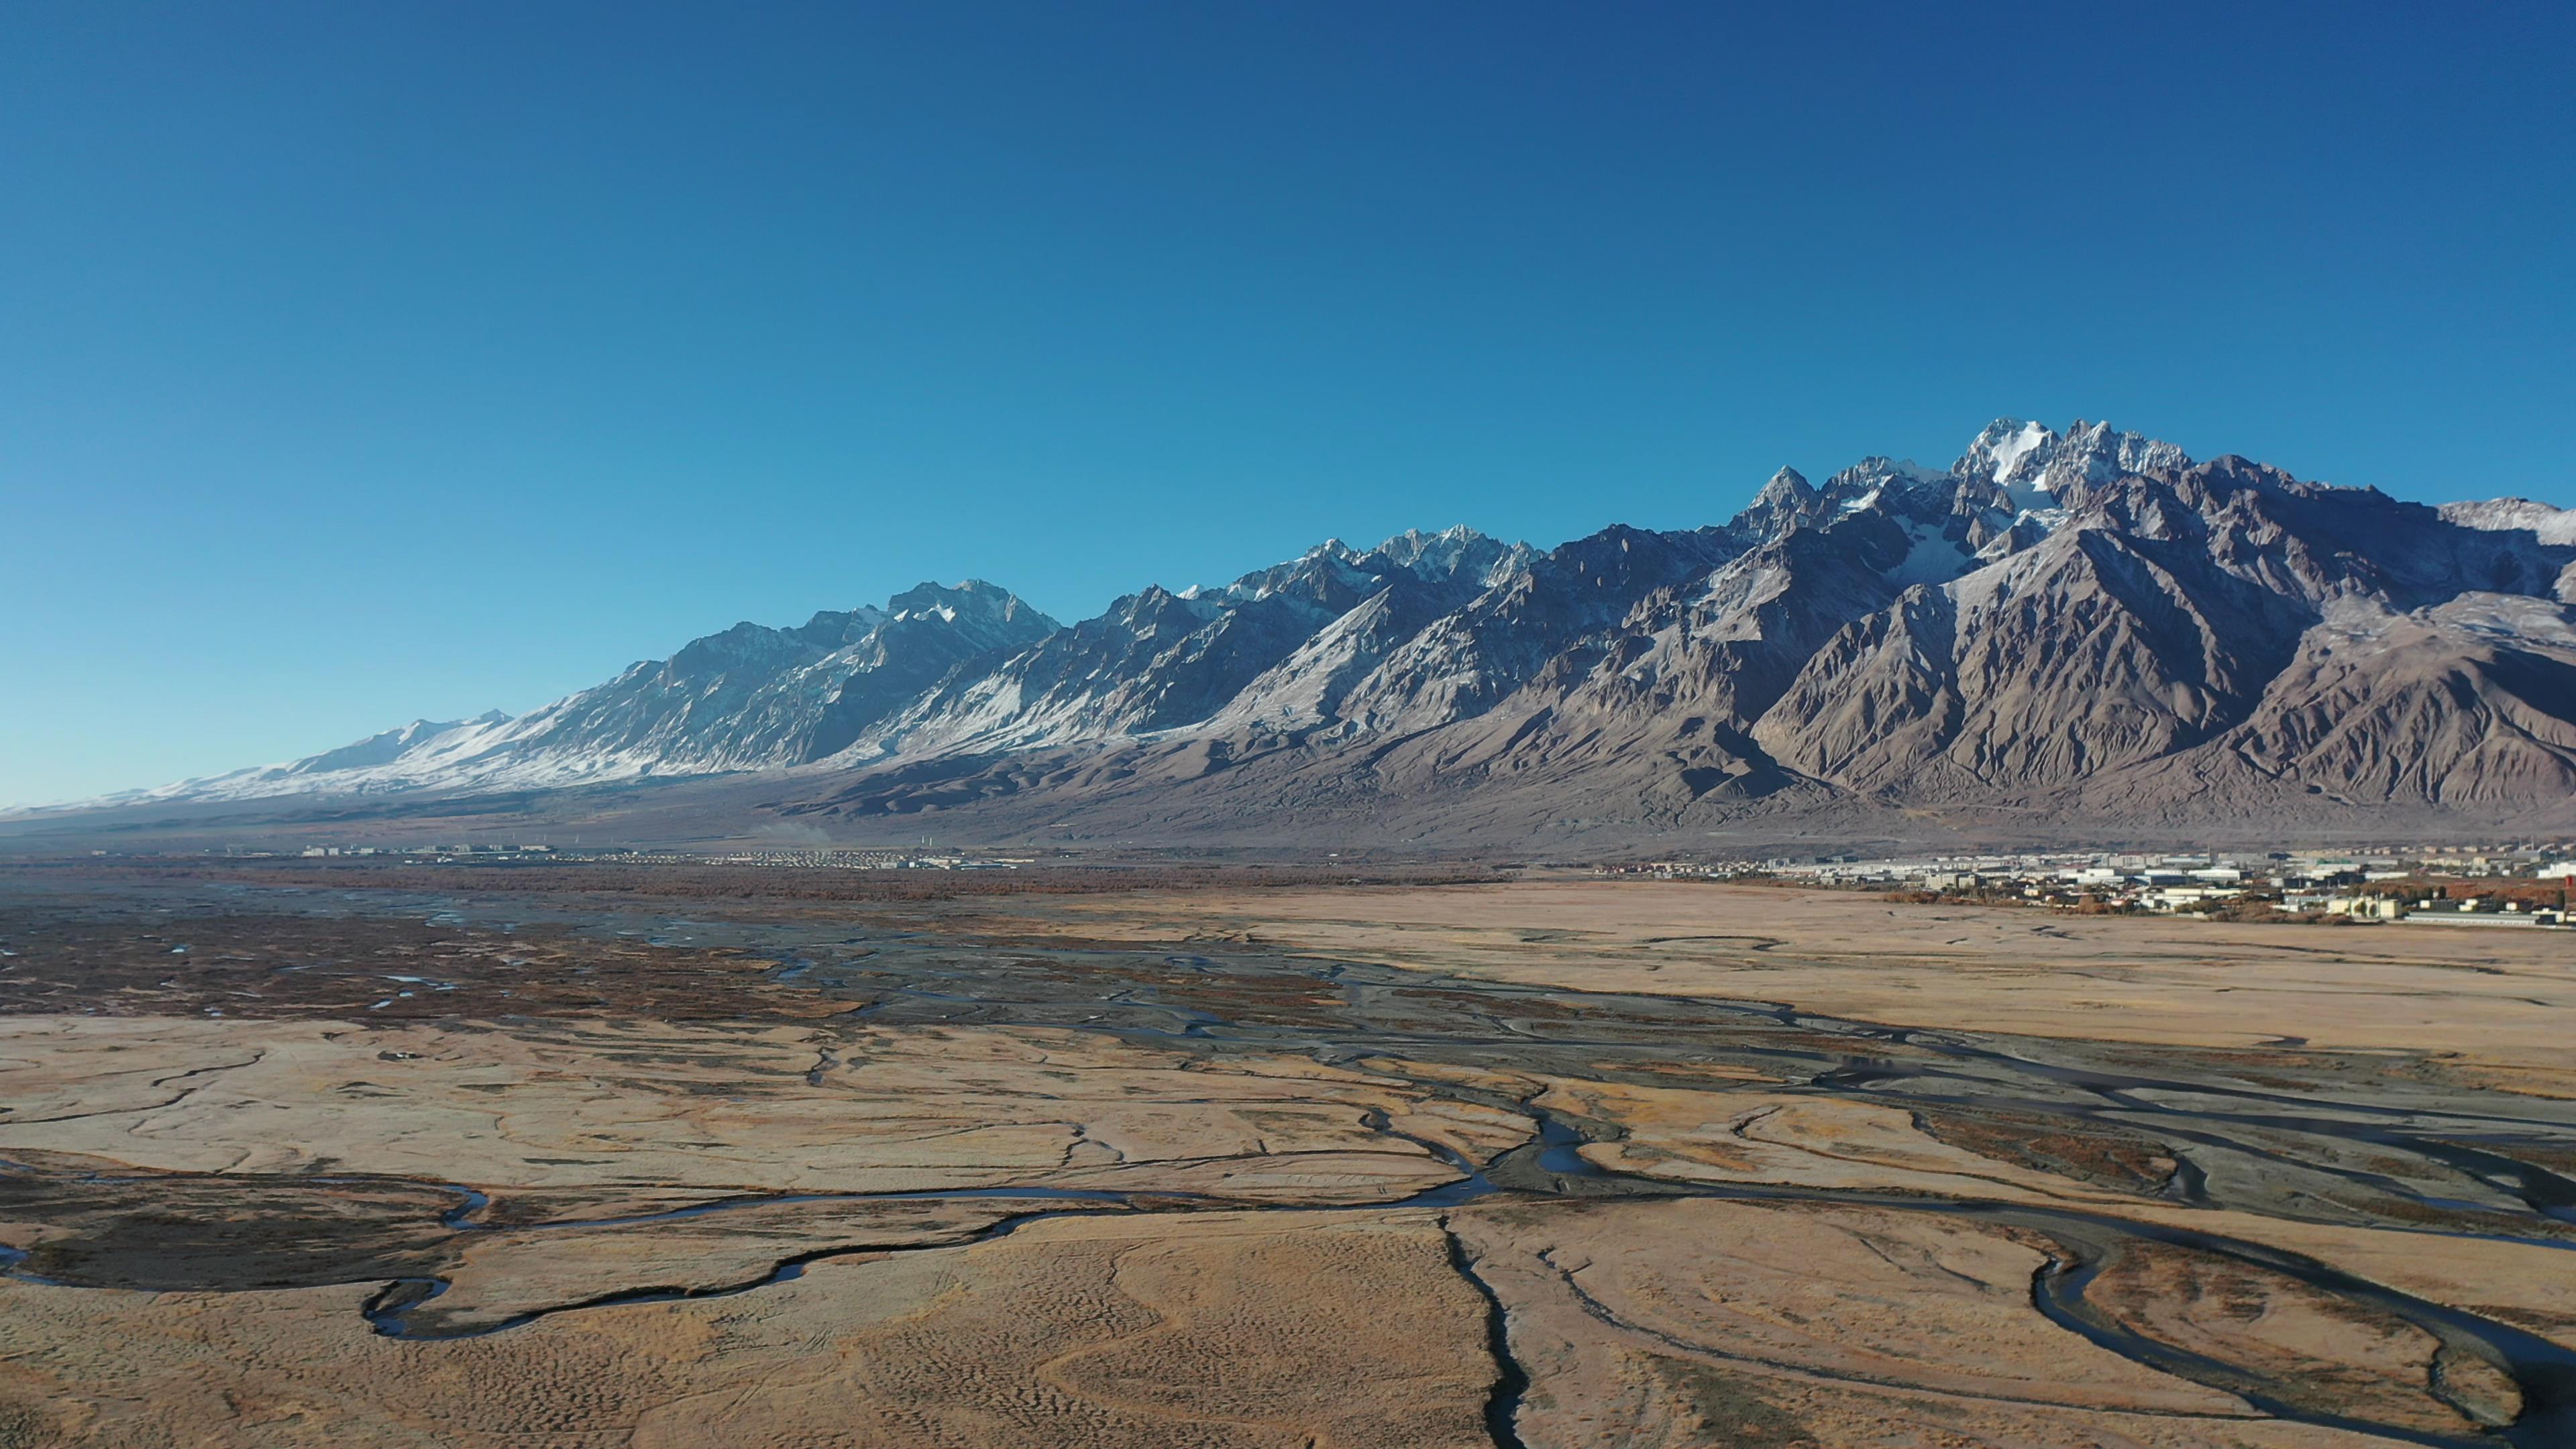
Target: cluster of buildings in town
312	851
2523	884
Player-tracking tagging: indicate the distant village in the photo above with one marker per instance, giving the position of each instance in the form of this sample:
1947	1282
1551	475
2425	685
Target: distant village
818	859
2524	885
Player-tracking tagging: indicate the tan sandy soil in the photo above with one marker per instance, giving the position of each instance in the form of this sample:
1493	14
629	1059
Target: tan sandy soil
2499	1000
605	1105
505	1274
1173	1320
1125	1333
1811	1141
1754	1137
1729	1323
2338	1357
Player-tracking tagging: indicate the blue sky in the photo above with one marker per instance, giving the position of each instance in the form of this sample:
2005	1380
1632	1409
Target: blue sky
366	362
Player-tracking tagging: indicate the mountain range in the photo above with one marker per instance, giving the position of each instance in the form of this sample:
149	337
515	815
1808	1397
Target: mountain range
2078	632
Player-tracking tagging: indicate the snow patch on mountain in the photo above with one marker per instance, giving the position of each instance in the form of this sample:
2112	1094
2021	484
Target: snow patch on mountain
1931	556
2008	448
1627	635
2512	515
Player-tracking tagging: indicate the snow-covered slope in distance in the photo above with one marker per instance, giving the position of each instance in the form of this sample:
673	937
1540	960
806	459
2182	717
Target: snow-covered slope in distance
2054	609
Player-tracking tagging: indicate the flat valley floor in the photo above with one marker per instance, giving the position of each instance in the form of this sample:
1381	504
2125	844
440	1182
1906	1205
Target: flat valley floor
535	1158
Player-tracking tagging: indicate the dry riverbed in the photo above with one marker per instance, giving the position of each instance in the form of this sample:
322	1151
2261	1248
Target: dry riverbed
1520	1164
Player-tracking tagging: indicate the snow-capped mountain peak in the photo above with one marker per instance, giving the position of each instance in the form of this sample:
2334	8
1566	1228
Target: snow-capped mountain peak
1787	489
2042	471
1449	553
2009	449
1871	633
2502	515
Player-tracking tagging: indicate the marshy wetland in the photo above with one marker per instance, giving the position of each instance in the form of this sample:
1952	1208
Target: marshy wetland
1523	1163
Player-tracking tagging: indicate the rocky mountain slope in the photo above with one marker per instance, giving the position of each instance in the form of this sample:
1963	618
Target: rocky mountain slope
744	699
2087	626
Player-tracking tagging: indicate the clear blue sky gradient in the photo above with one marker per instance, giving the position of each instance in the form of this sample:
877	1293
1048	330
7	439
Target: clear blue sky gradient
366	362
